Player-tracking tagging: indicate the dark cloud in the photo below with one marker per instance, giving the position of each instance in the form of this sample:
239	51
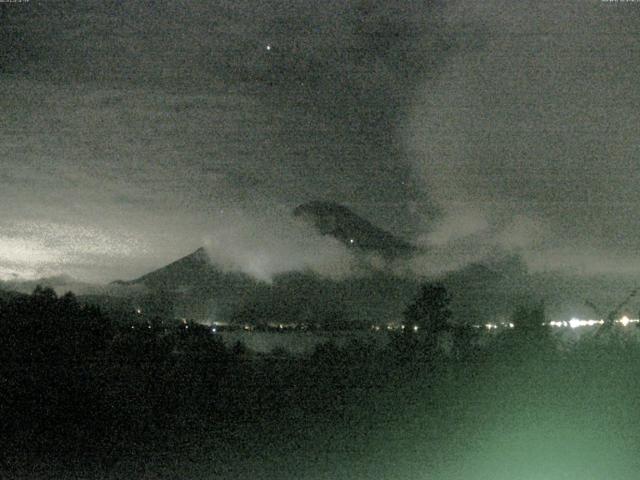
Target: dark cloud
143	114
514	126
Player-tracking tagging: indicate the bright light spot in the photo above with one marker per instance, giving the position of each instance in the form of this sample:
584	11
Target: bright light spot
268	47
575	323
214	330
351	241
415	328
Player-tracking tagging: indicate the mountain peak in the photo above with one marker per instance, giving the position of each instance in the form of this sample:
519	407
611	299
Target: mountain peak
200	254
179	271
337	220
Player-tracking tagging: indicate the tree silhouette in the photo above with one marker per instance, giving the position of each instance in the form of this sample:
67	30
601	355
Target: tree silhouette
425	319
429	312
531	332
530	321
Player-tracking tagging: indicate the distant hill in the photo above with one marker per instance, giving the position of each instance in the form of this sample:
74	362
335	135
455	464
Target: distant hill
197	269
352	230
60	283
190	270
198	288
489	290
194	286
7	295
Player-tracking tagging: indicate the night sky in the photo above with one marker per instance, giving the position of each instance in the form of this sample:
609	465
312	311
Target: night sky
134	132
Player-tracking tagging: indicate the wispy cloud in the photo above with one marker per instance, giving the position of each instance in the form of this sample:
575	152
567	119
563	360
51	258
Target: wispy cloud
264	246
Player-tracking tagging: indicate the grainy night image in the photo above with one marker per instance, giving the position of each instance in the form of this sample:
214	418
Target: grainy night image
304	240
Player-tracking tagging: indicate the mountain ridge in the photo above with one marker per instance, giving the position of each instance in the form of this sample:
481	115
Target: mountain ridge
354	231
329	218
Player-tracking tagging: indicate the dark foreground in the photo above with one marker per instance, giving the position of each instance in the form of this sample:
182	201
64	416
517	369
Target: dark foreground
84	396
499	414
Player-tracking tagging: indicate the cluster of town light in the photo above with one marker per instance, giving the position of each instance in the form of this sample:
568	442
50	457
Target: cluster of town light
394	326
495	326
576	322
573	323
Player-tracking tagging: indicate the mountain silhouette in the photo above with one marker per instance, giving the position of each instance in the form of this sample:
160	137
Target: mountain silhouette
190	270
197	269
199	288
331	218
194	286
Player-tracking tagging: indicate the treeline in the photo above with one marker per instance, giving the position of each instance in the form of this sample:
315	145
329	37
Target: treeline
74	382
44	328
